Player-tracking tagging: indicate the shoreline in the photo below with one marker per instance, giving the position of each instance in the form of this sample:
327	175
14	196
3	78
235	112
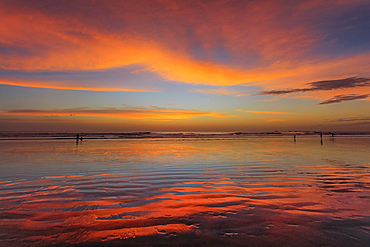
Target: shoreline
169	135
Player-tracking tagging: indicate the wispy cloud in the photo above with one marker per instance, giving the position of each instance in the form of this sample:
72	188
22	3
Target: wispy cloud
112	34
126	111
270	112
354	123
340	98
64	86
352	119
324	86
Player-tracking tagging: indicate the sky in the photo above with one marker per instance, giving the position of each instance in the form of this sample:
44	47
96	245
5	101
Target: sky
174	65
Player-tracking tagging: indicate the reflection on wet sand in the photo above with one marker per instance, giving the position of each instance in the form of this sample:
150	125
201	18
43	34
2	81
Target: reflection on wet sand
182	193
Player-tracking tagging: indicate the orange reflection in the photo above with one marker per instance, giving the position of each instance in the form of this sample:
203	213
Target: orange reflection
264	197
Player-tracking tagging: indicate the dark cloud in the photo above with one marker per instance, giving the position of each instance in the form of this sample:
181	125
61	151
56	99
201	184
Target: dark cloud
324	86
357	122
339	84
293	90
340	98
352	119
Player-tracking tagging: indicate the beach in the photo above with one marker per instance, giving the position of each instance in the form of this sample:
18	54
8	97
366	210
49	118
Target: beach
264	190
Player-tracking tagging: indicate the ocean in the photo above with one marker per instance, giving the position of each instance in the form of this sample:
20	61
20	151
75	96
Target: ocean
184	189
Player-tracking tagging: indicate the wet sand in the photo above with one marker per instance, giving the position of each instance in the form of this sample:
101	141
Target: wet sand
250	192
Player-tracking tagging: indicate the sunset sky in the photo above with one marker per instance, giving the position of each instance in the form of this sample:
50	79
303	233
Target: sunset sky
166	65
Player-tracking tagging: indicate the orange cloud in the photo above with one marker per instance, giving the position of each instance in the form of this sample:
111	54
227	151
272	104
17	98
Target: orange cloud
131	112
63	85
68	42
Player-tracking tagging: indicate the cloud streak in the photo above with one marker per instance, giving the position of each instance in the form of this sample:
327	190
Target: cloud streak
127	112
352	119
351	82
65	86
341	98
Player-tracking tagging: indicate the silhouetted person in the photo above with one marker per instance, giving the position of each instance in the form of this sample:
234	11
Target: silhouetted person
294	138
78	137
321	138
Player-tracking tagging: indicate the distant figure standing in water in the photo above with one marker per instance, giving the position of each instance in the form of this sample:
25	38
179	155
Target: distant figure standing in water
321	138
78	137
294	138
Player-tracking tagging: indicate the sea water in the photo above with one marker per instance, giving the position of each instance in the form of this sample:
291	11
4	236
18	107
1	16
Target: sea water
255	191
